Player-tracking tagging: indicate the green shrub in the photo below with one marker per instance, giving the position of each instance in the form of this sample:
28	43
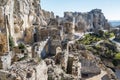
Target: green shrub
111	35
101	33
89	39
93	38
11	42
117	56
50	78
21	46
115	62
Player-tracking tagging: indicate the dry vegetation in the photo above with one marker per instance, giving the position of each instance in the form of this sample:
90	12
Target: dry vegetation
28	35
3	43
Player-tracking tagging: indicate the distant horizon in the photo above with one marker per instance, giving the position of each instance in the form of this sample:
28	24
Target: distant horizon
109	7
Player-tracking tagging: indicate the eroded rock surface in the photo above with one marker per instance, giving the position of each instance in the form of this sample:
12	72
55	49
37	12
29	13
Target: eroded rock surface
90	21
16	16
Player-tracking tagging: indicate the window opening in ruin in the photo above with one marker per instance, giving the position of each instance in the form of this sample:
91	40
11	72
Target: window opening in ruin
35	37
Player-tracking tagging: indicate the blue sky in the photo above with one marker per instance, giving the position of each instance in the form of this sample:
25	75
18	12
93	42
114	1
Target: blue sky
110	8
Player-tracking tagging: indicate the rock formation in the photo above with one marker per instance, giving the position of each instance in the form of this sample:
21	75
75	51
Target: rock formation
89	21
36	46
17	16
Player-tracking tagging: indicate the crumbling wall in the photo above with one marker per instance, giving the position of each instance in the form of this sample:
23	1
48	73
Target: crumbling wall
28	37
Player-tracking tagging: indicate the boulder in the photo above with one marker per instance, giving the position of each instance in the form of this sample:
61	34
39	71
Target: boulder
89	68
111	74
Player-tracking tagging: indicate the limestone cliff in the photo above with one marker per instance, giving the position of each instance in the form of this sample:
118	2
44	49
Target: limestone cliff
92	20
18	15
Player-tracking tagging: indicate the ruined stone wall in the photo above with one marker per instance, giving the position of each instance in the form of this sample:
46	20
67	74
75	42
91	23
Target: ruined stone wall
40	49
28	36
21	71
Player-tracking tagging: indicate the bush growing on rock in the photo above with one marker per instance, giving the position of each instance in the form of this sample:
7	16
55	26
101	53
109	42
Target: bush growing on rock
95	37
109	34
11	42
3	43
21	46
89	39
117	56
112	35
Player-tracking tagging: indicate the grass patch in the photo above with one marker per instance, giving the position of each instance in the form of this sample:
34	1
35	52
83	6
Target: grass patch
90	38
109	34
117	56
95	37
21	46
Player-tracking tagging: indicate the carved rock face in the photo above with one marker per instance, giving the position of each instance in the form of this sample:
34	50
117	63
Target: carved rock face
3	2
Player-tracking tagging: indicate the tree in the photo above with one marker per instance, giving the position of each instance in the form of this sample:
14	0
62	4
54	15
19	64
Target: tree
21	46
